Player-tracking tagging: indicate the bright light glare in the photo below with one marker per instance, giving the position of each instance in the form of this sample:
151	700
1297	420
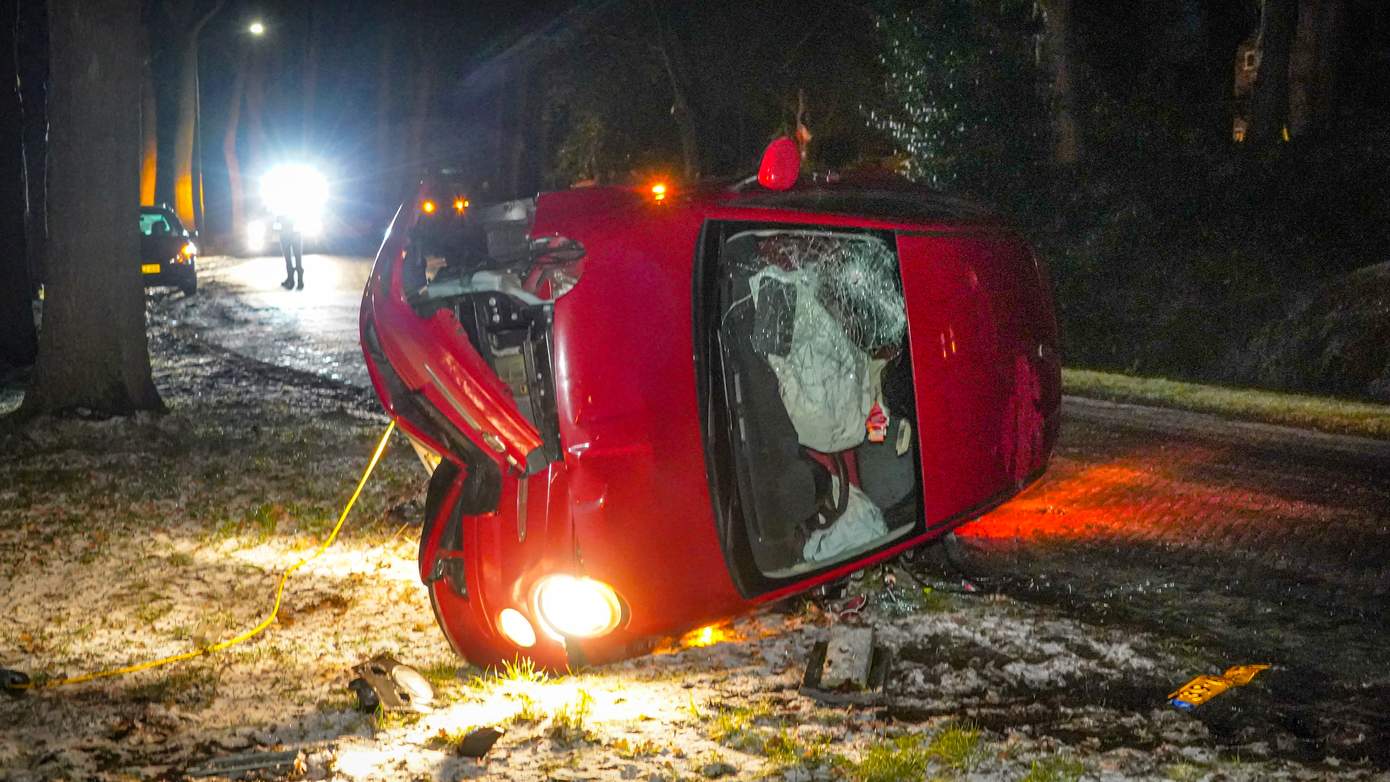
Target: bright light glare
255	236
297	192
256	28
576	607
659	191
428	207
517	628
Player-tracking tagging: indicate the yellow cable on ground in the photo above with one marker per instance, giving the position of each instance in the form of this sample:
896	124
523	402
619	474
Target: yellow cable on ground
253	632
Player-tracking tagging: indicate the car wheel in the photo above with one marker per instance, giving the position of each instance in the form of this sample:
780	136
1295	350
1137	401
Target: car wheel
189	288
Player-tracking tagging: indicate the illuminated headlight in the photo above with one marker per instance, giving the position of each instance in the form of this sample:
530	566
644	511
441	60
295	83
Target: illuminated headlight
255	235
516	627
576	607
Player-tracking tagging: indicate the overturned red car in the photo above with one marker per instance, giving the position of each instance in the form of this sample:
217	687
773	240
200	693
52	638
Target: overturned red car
653	409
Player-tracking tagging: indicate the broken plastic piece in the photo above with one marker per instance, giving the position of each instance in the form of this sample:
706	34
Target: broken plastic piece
1205	687
478	742
387	683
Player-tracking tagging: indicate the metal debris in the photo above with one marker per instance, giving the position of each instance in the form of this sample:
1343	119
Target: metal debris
236	766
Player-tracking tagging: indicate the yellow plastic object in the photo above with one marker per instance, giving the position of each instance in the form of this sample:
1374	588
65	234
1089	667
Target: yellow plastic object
1204	687
254	631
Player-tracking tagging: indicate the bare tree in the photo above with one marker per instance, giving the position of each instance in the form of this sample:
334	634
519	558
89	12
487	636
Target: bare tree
1313	64
188	19
1060	59
229	142
1270	103
18	340
93	351
149	137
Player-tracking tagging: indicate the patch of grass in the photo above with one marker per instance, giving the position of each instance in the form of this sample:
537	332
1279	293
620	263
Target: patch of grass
179	559
1055	769
519	670
338	700
1312	412
529	713
191	686
1184	772
382	719
910	756
739	728
151	612
898	759
567	723
441	675
957	747
627	750
449	740
786	750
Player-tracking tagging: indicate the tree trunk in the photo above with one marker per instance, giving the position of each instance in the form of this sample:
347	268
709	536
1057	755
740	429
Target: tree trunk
516	154
1313	66
187	187
229	145
1269	105
1061	63
149	131
92	348
255	112
424	100
185	131
31	55
18	339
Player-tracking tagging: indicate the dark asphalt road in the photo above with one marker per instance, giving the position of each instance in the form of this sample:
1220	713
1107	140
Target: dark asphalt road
1237	542
1242	543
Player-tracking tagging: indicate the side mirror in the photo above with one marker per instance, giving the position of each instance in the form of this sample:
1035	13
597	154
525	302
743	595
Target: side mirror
781	164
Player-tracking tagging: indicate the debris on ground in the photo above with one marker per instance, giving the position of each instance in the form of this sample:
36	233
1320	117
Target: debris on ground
1205	687
383	682
252	763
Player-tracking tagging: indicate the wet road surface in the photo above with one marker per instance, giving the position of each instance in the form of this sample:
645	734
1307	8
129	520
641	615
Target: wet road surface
242	307
1239	543
1243	543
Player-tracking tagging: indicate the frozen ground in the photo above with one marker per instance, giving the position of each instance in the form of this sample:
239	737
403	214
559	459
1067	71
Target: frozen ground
1103	589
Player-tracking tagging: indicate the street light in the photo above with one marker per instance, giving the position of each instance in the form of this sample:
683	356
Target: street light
256	28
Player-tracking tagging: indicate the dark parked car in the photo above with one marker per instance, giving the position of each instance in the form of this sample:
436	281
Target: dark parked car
660	407
168	255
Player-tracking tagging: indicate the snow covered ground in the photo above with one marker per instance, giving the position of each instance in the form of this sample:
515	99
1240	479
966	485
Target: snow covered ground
121	540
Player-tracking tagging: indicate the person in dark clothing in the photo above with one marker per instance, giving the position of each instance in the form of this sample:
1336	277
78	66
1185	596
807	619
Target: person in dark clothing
292	246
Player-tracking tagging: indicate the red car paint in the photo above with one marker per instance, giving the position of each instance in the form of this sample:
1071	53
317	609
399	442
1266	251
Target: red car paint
630	501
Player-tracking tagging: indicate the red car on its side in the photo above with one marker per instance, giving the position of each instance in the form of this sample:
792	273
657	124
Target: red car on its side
656	410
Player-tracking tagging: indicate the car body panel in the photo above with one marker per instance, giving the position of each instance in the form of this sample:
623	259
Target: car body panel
629	500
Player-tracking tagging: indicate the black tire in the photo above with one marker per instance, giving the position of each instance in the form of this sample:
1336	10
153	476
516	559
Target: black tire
190	288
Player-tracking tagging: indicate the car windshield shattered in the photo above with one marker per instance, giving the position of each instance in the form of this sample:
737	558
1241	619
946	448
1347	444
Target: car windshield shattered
813	347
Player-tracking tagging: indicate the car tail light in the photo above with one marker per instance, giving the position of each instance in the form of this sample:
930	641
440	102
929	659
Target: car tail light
573	607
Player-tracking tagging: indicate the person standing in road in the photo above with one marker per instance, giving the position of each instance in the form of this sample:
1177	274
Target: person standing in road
292	246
